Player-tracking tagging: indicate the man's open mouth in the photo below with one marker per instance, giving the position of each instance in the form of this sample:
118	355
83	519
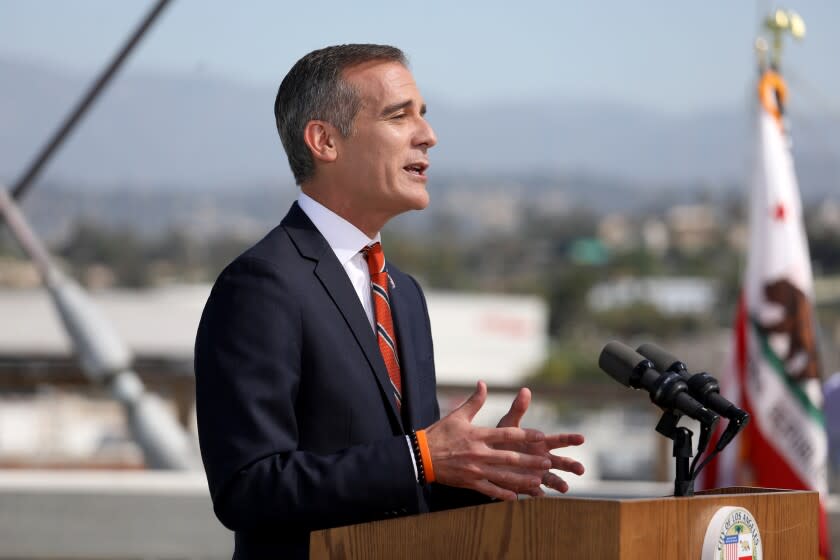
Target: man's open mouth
417	168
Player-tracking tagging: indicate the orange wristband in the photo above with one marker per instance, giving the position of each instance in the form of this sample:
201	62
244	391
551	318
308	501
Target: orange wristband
425	455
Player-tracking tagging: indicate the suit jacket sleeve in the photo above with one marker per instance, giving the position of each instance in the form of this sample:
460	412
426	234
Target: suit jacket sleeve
442	497
248	369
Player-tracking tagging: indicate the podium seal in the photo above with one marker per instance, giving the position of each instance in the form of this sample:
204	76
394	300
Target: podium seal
732	534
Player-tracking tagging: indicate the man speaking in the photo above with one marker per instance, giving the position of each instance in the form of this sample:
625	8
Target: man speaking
315	379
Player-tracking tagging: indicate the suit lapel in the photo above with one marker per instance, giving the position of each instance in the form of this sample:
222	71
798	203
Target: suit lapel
333	278
400	313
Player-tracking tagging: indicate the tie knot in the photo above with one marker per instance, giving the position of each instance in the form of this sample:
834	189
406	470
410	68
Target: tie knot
375	258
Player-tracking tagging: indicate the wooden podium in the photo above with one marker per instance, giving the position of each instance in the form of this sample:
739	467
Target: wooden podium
581	528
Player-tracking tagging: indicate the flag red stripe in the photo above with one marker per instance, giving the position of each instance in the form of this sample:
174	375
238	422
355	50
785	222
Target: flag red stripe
759	459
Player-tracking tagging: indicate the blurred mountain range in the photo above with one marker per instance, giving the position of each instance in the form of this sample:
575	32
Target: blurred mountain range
197	133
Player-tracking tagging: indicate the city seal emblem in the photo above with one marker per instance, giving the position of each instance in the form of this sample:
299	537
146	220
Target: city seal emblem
732	534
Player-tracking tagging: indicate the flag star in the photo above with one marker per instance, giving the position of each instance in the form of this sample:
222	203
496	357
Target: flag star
779	212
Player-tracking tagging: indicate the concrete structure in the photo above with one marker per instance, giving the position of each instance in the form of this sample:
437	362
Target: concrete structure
96	515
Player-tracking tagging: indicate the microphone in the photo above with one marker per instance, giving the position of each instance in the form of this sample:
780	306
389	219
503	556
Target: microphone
702	387
667	390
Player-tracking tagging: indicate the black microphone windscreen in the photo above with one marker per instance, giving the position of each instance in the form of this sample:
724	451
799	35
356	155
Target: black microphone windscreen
662	360
619	361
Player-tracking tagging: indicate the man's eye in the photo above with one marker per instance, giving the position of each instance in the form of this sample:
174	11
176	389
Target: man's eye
399	116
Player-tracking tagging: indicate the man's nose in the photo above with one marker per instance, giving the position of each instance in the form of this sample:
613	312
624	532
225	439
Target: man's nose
426	135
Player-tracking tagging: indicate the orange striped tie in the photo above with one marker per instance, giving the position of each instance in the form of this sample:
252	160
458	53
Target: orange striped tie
382	315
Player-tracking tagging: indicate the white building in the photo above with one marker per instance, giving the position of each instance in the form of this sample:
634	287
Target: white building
497	338
670	295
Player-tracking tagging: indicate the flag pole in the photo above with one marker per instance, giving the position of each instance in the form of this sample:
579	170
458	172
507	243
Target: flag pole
779	387
779	24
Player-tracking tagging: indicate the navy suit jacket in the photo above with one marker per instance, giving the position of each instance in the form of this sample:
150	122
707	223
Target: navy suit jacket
297	428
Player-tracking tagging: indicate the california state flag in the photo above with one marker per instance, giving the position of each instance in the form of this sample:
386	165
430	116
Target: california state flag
775	368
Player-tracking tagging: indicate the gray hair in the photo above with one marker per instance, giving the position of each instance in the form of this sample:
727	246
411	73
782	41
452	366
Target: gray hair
315	90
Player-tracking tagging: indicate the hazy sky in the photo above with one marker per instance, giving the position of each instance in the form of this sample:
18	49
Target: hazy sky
672	55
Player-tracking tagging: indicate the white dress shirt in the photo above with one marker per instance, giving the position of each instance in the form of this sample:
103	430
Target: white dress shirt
347	242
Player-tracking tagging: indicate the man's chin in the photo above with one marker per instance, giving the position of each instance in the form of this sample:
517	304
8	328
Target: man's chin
414	198
421	202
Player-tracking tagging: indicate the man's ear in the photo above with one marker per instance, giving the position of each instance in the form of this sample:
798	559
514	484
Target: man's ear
320	138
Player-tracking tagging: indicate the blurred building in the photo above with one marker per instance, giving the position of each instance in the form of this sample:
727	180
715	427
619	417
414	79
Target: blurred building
655	236
488	209
738	236
617	232
669	295
693	227
18	273
827	217
50	416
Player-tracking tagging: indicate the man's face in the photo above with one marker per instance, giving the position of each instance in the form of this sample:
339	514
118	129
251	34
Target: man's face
384	160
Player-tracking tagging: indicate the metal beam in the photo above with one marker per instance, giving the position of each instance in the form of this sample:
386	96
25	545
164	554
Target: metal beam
26	180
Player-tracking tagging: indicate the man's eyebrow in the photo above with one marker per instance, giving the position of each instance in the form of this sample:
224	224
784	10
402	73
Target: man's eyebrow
402	105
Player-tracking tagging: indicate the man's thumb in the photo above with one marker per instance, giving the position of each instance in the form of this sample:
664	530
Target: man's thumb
517	410
473	404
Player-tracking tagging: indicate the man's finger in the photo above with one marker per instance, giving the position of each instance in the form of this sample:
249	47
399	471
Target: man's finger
556	441
555	482
513	479
536	493
518	460
474	403
489	489
567	464
517	409
511	435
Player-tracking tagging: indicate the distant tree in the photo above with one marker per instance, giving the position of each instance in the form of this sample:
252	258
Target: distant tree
825	251
638	262
570	362
8	246
566	290
121	250
219	251
643	318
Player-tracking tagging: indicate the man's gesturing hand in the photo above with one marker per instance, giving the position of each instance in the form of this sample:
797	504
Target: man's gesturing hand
543	447
485	459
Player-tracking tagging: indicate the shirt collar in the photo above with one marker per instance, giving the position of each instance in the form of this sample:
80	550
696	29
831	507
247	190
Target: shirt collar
345	239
